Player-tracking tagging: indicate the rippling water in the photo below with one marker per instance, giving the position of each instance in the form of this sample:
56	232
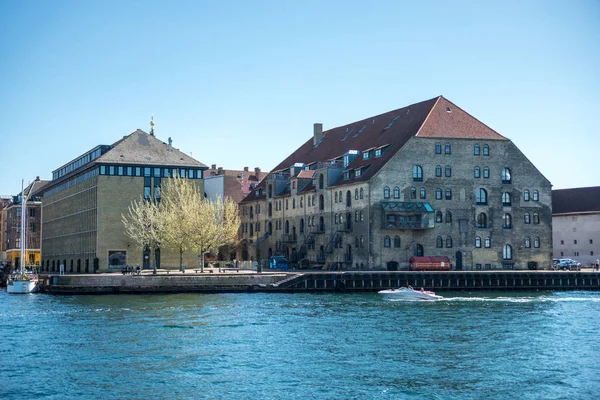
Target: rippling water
534	345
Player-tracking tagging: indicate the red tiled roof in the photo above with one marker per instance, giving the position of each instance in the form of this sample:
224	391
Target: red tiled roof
577	200
306	174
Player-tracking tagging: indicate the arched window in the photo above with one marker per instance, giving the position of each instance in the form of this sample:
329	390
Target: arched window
486	150
488	242
386	192
438	170
294	203
507	252
321	202
418	250
536	218
270	209
362	216
355	194
438	148
335	197
301	225
335	218
476	172
507	221
287	226
448	171
396	192
413	193
476	149
270	228
536	242
506	177
477	241
482	220
396	241
439	242
438	216
361	193
321	181
348	198
448	194
526	195
527	218
536	195
449	242
301	202
417	173
486	173
481	197
506	200
527	242
321	224
362	241
447	148
448	217
422	193
386	241
438	194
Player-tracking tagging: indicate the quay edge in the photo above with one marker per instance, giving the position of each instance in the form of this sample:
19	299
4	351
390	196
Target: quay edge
319	281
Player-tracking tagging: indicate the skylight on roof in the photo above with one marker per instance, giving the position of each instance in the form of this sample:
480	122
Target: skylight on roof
348	132
390	124
360	131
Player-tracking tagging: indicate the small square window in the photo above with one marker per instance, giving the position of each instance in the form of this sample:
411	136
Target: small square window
378	153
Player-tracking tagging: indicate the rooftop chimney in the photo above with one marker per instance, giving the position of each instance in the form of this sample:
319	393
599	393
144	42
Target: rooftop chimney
214	166
257	172
245	169
318	134
220	171
170	141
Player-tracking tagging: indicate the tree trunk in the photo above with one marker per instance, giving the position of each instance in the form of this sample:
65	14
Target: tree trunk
153	259
202	262
180	258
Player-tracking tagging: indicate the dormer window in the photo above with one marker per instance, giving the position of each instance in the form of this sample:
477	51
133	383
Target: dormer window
357	173
377	153
346	175
365	155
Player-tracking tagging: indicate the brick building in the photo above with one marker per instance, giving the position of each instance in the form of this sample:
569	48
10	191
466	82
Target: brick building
83	204
576	224
426	179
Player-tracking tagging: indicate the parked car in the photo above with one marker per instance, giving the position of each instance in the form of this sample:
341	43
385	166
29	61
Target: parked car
569	265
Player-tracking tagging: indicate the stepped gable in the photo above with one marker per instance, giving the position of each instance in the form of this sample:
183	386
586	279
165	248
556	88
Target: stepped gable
447	120
576	200
144	149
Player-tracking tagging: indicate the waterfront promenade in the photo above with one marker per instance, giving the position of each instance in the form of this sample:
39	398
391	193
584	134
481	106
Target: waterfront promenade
213	281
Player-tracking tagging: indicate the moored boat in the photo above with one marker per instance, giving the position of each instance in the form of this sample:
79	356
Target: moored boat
25	283
408	293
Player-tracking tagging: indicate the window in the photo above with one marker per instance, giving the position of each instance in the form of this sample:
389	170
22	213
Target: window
536	218
506	200
418	250
413	193
527	242
377	153
527	218
536	242
488	242
422	193
439	242
361	193
396	241
293	203
321	202
362	242
336	197
355	216
481	197
507	252
448	217
507	221
447	149
438	171
120	170
526	195
438	194
476	172
357	173
506	177
301	202
562	242
321	180
448	194
146	192
536	195
448	171
111	170
32	212
396	192
591	241
362	216
476	149
438	217
417	173
386	241
102	170
486	173
348	198
386	192
365	155
287	203
486	150
449	242
438	148
477	241
356	242
355	194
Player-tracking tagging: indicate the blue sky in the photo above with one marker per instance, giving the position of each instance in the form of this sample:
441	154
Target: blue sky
240	83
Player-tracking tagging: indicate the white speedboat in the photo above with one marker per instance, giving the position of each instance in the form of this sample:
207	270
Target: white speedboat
22	284
409	294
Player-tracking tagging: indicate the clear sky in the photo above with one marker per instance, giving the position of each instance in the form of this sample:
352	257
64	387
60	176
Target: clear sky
240	83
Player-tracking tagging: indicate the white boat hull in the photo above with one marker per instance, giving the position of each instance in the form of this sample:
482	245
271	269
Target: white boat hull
408	295
22	286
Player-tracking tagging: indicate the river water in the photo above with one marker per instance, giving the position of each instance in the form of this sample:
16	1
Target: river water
526	345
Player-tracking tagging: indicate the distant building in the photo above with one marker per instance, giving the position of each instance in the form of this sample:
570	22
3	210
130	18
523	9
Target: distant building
5	201
426	179
576	224
12	226
83	204
234	184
